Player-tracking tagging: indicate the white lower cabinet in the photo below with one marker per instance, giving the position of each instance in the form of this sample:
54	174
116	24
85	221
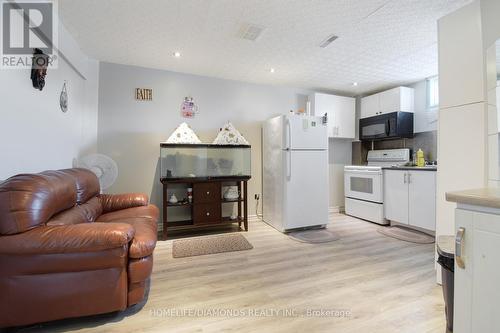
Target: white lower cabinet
396	196
410	197
477	292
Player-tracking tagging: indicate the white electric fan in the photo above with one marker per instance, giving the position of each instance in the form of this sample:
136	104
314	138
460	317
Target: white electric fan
102	166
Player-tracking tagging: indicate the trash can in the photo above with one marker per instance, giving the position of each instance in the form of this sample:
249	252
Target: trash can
446	258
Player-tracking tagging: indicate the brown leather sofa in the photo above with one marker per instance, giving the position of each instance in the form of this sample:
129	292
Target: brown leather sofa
67	251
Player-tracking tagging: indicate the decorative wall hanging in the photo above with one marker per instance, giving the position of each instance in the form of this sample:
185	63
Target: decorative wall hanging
143	94
40	62
183	134
189	108
229	135
63	98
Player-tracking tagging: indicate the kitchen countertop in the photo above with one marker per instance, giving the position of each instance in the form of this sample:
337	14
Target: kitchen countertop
427	168
485	197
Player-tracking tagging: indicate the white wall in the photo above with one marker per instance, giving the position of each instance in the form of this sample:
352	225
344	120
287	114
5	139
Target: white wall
130	131
340	155
467	120
425	119
34	134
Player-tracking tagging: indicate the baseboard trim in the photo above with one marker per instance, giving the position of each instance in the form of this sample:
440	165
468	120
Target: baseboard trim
336	209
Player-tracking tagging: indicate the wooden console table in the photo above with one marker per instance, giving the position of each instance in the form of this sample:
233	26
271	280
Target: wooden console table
206	206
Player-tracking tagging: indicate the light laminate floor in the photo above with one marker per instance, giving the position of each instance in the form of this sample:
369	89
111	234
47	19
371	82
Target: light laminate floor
381	285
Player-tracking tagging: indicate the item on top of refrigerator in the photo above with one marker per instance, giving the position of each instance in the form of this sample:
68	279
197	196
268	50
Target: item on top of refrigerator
420	158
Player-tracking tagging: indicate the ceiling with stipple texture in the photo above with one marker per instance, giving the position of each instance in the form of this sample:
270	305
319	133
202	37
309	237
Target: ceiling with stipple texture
381	43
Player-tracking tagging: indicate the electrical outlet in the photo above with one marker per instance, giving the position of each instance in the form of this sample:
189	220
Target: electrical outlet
257	196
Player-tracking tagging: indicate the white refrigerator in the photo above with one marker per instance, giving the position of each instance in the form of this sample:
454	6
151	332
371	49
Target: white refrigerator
295	172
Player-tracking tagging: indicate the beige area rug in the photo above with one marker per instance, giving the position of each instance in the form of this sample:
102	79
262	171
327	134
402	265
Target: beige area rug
314	236
407	235
209	245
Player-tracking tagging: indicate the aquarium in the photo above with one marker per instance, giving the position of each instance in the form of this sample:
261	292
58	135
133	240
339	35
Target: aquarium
204	161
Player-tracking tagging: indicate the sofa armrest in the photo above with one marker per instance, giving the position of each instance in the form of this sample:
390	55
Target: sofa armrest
113	202
74	238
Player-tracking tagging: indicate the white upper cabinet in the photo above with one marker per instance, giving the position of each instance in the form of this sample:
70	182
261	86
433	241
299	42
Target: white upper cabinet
370	106
393	100
341	113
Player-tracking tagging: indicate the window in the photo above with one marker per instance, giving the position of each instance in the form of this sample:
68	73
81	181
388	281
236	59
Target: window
432	92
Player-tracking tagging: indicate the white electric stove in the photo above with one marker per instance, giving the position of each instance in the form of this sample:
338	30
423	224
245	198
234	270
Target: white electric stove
364	185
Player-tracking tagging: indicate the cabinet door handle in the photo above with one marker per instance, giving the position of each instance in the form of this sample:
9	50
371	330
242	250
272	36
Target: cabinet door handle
208	193
405	177
208	214
409	178
459	247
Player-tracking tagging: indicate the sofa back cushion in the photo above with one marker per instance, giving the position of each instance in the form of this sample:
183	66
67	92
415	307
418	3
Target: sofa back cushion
30	200
87	184
87	212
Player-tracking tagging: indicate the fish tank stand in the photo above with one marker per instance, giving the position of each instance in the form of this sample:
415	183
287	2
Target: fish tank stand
204	171
206	206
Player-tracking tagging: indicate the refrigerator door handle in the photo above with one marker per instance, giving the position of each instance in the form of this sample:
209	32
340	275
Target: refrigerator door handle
289	134
289	163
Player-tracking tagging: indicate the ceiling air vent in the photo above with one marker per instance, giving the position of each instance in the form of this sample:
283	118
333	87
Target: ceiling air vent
328	41
250	31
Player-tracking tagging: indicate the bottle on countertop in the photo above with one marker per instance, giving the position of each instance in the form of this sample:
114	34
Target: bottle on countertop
420	158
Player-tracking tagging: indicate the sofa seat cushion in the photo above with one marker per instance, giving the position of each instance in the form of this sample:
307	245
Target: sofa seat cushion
71	238
144	241
149	211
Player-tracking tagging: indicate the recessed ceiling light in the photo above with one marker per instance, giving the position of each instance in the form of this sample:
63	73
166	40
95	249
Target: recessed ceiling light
271	70
355	84
177	54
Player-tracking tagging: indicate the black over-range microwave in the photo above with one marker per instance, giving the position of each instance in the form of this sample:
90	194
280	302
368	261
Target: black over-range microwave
386	126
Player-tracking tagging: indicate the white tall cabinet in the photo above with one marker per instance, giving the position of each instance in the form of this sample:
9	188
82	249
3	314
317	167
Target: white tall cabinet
341	112
410	197
392	100
477	293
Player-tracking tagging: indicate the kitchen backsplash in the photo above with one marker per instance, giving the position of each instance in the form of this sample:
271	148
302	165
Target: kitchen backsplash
427	141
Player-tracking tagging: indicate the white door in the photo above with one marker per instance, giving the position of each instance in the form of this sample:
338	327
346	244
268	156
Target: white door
305	132
306	189
486	273
370	106
462	305
396	195
476	284
363	185
422	199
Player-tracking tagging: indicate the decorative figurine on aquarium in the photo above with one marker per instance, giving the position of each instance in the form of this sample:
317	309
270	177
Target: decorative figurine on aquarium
183	134
229	135
189	108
